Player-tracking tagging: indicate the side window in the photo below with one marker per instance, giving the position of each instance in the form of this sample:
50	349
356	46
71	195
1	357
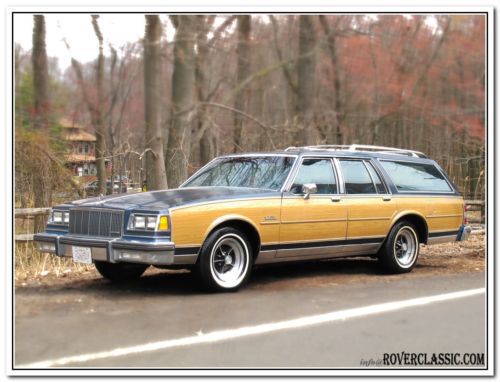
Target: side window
378	182
356	177
408	176
317	171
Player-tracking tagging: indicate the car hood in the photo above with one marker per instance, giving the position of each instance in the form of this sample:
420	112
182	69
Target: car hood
164	199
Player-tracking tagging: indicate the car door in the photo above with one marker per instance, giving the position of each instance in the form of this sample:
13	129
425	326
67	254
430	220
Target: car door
370	205
312	225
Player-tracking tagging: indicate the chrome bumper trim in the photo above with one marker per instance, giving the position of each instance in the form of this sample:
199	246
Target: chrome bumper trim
114	250
441	239
464	233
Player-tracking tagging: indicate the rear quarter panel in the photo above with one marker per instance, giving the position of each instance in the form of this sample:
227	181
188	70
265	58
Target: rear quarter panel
442	213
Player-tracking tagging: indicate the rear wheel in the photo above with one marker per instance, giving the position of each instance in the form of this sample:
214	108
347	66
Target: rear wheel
120	272
400	251
225	260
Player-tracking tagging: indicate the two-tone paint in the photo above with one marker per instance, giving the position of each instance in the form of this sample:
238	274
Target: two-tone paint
282	226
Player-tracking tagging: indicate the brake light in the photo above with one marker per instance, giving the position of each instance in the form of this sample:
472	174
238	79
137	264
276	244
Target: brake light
466	208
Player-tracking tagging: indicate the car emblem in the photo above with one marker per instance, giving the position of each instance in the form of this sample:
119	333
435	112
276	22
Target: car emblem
269	218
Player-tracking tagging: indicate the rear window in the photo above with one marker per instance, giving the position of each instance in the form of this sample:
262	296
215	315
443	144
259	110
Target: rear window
408	176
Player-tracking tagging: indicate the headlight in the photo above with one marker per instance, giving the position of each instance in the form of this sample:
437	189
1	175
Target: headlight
59	217
138	222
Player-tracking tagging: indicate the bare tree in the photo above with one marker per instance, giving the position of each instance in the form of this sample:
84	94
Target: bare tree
98	121
334	134
242	72
40	73
155	160
206	141
179	138
306	66
42	192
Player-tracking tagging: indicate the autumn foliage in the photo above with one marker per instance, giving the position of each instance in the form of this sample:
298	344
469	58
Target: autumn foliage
411	81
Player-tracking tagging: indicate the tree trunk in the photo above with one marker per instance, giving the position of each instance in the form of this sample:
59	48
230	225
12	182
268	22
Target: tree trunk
335	131
40	74
205	146
156	177
41	180
306	66
243	71
179	139
98	120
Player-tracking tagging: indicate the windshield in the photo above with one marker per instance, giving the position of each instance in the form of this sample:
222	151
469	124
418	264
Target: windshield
267	172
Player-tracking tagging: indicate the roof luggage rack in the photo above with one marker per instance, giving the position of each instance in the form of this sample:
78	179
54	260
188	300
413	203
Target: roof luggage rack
356	147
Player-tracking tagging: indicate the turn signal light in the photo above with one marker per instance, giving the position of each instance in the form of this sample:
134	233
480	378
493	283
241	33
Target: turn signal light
163	224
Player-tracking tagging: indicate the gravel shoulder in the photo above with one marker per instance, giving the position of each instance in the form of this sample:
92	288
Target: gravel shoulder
443	259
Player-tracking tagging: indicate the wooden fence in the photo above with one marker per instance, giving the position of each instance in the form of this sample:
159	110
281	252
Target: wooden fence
476	205
29	213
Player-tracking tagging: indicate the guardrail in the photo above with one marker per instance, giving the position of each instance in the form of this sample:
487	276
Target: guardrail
29	213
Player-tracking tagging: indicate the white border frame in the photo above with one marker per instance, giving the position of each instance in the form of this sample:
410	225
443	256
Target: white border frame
293	7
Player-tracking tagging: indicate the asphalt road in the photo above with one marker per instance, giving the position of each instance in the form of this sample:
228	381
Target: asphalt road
133	325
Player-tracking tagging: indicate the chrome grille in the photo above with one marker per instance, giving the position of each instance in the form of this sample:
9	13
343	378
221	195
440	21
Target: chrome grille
95	222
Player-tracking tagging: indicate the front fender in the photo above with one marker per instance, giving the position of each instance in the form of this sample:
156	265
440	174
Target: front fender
231	217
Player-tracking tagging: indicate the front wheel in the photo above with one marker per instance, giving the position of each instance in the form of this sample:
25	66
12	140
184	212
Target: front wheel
399	252
225	260
120	272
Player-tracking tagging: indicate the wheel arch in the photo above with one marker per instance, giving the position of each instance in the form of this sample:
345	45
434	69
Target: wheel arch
241	223
419	222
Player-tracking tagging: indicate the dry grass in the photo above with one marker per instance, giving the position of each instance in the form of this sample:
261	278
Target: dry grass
31	264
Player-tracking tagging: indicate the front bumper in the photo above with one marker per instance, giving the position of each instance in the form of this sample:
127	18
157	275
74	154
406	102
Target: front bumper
113	250
464	232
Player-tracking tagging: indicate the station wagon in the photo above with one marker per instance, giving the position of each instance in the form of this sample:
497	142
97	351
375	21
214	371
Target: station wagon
301	203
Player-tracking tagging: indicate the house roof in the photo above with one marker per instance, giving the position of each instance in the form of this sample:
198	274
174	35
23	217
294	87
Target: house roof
68	123
75	132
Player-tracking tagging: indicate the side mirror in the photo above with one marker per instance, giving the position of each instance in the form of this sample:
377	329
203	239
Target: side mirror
308	189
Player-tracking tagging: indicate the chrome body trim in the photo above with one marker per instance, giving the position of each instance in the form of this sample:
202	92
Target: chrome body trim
330	251
318	253
441	239
265	257
185	259
444	216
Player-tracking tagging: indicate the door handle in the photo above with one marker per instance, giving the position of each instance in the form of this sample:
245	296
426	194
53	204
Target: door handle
336	199
386	198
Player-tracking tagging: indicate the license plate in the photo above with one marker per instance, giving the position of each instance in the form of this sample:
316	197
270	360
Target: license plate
82	255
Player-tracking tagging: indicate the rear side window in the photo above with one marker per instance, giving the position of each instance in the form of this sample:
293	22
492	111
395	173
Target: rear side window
408	176
356	177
